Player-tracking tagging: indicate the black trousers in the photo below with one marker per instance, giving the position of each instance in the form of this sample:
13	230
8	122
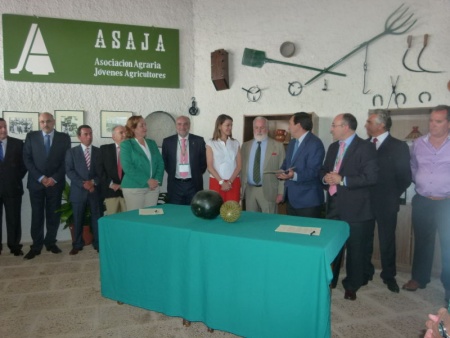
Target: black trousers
387	224
44	203
182	193
356	245
13	207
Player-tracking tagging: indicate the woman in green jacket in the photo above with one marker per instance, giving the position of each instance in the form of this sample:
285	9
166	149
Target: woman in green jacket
142	164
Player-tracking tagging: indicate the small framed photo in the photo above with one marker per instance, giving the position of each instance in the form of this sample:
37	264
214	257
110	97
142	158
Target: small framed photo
67	121
20	123
110	119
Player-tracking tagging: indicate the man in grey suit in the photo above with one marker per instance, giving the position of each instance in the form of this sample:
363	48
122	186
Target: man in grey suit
84	169
43	155
261	190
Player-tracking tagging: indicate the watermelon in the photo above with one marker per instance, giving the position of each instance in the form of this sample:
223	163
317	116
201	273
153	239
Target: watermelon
206	204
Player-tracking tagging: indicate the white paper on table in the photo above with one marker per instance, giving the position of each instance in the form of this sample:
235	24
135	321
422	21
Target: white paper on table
151	211
310	231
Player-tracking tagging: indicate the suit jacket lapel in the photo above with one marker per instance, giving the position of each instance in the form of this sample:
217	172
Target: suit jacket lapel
349	151
268	154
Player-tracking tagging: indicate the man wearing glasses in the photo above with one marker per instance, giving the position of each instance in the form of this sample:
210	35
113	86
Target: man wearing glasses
350	168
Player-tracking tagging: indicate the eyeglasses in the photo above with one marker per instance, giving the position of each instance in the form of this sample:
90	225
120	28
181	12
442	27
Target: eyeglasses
337	125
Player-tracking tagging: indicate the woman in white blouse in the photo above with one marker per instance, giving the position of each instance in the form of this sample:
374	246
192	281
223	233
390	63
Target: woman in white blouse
223	157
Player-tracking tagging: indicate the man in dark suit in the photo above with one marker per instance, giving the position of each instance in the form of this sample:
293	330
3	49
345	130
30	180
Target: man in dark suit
112	173
394	177
43	155
12	171
84	169
304	157
184	156
349	170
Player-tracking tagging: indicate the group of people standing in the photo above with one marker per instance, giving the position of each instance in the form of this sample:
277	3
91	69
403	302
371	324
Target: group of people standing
363	180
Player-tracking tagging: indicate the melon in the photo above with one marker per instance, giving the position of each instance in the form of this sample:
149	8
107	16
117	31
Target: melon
230	211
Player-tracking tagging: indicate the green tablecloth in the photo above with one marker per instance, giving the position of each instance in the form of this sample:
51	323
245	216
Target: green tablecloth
241	277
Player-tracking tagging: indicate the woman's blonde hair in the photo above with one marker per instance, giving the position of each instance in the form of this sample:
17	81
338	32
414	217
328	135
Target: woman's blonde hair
131	125
221	120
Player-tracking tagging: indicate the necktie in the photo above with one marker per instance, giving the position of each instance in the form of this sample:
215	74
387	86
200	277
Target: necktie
295	148
337	166
119	165
375	140
257	165
87	156
47	144
1	151
183	157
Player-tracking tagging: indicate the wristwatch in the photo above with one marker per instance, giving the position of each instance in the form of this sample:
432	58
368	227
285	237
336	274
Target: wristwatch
443	330
221	182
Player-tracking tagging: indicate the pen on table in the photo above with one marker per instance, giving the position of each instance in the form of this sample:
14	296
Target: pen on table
312	233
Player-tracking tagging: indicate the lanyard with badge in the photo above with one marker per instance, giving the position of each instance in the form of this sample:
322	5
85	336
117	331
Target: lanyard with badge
183	165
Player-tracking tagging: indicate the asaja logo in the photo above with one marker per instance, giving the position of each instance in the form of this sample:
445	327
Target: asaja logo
34	55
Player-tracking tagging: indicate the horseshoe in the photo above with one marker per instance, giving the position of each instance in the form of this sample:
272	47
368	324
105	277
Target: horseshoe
400	95
420	96
374	99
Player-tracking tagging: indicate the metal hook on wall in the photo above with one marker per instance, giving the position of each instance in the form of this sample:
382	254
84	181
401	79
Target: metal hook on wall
325	85
364	91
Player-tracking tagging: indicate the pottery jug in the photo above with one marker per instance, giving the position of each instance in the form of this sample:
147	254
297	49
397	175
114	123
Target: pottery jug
280	135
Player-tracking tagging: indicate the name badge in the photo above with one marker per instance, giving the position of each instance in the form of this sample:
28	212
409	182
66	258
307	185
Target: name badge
184	168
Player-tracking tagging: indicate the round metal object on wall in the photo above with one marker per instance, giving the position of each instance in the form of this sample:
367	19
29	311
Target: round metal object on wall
159	126
287	49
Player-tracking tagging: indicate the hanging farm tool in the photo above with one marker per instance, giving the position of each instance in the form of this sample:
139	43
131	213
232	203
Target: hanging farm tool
421	69
425	43
394	93
396	24
409	42
257	58
364	91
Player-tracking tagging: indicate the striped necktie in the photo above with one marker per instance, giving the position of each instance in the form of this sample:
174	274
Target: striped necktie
87	156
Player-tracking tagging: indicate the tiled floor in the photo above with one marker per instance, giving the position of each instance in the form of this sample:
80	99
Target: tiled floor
59	296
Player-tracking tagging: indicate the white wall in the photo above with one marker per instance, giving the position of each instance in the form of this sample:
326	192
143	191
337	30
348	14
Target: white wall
322	30
22	96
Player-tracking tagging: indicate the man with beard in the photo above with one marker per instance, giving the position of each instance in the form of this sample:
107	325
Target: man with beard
262	154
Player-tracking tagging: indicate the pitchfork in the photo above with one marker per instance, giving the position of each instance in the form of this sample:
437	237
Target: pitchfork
393	26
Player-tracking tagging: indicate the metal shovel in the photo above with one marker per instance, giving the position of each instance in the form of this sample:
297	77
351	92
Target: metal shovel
257	58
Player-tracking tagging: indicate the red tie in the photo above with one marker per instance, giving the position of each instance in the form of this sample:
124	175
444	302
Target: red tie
337	165
375	140
119	165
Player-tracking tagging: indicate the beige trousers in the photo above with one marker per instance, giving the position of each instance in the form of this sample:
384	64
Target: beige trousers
138	198
115	205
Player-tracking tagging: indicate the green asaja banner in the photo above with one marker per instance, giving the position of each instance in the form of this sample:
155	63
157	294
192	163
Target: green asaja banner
38	49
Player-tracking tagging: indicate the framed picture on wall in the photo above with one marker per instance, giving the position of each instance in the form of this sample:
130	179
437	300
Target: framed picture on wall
20	123
67	121
110	119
